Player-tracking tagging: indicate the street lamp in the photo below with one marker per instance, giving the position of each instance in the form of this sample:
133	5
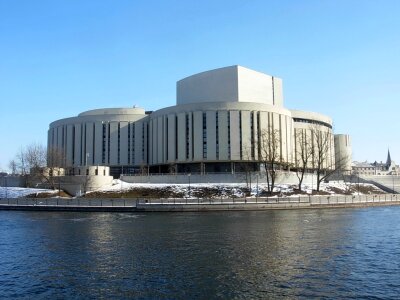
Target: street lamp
5	179
257	186
86	158
393	182
189	184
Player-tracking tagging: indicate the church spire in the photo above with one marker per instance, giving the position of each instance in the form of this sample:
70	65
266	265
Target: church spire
388	160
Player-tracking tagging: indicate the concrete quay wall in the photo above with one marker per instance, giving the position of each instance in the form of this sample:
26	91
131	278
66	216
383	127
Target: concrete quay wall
164	205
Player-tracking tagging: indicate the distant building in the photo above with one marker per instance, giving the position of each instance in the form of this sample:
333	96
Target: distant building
216	126
375	168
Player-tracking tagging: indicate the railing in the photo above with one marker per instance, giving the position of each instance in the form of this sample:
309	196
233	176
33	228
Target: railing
216	201
73	202
135	202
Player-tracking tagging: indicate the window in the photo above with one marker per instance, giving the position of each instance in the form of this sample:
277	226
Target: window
216	136
103	153
299	120
187	135
204	135
240	135
229	134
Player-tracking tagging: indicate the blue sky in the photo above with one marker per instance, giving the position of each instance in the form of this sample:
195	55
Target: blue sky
59	58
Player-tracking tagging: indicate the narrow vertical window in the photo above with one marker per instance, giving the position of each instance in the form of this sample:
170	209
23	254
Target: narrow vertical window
258	134
129	143
119	143
73	145
93	143
143	140
103	144
187	135
216	135
133	144
204	135
240	135
252	134
229	134
166	136
108	143
176	137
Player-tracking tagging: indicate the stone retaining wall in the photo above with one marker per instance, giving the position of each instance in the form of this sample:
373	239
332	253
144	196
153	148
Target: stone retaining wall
146	204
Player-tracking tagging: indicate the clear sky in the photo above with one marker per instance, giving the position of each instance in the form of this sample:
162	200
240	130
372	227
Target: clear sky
59	58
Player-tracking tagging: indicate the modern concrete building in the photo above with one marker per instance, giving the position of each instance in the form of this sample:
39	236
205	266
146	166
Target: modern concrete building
220	123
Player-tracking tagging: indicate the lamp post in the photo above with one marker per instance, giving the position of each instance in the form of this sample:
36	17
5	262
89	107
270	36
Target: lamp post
312	182
5	181
257	187
393	182
189	184
86	158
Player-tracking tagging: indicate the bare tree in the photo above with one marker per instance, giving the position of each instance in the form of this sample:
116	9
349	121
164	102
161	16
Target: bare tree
41	165
172	168
56	164
246	168
270	154
323	158
12	165
21	162
144	169
303	153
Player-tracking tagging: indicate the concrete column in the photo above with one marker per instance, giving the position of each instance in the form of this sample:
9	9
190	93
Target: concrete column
246	136
211	135
255	135
223	135
139	155
123	143
114	143
181	137
78	145
98	142
69	145
198	135
234	131
160	145
89	143
171	138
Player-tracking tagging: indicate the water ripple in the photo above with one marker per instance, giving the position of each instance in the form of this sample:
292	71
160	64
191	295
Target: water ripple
341	253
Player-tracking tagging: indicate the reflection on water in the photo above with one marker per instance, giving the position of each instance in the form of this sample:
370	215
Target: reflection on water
270	254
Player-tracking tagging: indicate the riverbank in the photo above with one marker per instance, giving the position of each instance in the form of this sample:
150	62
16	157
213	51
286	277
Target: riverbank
189	204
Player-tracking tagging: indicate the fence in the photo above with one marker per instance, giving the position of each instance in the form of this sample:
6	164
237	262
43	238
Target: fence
73	202
148	202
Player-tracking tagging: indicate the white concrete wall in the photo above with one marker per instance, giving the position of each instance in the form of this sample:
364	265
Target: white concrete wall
220	85
123	143
114	143
343	152
211	135
198	135
235	136
230	84
171	138
223	135
98	143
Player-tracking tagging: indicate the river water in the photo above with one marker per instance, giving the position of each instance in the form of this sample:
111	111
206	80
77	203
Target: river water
324	253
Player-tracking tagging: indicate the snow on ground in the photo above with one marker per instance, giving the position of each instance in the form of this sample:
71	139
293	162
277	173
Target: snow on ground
222	189
236	189
17	192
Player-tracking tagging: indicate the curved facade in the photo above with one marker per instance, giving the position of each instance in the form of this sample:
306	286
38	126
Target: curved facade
217	125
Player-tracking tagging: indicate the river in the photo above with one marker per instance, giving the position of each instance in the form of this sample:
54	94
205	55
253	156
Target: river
323	253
